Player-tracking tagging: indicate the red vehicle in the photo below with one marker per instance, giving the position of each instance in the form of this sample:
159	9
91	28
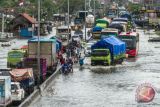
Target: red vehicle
132	42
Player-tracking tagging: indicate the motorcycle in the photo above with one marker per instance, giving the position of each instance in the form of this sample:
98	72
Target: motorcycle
81	62
70	68
65	69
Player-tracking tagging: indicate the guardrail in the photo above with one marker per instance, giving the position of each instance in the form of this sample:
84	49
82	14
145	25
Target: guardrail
37	92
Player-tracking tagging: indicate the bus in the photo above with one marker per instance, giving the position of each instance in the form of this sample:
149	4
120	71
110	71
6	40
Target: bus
132	42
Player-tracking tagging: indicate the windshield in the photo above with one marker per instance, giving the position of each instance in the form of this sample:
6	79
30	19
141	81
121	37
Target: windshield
100	53
121	20
77	21
130	41
89	48
75	37
109	33
14	87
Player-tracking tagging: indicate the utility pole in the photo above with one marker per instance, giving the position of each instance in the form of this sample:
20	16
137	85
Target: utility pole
94	9
2	25
38	47
85	20
68	21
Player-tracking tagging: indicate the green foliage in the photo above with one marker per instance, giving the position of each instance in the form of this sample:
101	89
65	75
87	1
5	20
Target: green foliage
48	7
134	7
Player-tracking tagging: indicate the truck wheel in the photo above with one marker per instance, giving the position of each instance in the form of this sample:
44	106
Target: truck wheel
120	61
92	63
105	63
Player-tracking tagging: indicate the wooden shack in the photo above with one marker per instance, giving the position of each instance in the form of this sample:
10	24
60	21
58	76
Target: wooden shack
23	25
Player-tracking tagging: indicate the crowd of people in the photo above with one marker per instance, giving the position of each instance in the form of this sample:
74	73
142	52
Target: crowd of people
71	55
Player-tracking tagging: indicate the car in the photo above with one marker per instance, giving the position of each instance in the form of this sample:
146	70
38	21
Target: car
17	93
88	49
80	33
76	38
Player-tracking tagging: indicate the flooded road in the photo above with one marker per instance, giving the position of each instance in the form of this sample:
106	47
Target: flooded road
85	88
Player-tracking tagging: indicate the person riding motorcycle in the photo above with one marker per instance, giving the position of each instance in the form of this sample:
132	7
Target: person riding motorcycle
65	68
70	63
81	61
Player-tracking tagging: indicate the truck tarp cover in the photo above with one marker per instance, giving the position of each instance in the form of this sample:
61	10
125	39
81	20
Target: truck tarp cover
21	74
97	28
112	43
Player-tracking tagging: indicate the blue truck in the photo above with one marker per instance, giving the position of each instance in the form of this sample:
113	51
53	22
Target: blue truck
107	51
96	32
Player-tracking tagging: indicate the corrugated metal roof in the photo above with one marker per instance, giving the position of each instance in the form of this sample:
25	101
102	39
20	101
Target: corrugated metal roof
29	18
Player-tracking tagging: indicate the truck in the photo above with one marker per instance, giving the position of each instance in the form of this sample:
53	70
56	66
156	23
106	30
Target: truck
108	51
14	57
5	91
96	32
17	92
63	33
25	77
104	22
78	24
32	63
47	51
109	32
82	15
90	20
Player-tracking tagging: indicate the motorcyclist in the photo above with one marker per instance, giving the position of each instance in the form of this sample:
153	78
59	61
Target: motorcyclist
70	63
81	61
65	67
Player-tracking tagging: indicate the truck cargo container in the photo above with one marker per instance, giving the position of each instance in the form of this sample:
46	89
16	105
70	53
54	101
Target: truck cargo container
32	63
25	77
5	91
109	50
47	51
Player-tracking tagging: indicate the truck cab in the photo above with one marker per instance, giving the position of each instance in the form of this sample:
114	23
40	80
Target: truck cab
15	57
100	56
109	32
17	92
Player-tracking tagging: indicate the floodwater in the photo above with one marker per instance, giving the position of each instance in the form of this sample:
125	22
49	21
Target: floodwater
84	88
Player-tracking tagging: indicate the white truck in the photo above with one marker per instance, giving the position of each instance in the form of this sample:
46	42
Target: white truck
17	92
90	20
5	91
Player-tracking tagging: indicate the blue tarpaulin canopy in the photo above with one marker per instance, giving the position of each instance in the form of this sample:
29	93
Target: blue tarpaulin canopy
59	43
97	28
112	43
